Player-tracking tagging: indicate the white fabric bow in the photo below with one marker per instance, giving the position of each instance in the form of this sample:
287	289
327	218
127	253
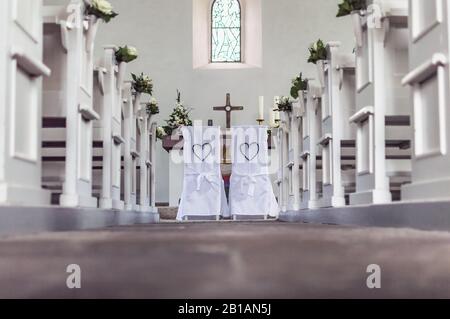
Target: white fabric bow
208	177
250	180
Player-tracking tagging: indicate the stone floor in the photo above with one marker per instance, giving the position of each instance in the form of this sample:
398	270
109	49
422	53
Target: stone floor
227	260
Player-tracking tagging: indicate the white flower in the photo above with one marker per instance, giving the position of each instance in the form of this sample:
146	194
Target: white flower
133	52
103	6
160	131
153	101
284	100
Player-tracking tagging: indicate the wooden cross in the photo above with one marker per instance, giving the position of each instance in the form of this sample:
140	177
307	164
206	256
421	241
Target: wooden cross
228	108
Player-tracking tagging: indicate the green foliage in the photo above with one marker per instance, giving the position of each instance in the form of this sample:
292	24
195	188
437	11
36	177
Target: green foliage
160	133
284	104
102	9
317	52
298	84
152	107
178	118
126	54
348	6
142	84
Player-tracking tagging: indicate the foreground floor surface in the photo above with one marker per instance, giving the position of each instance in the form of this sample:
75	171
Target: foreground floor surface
227	260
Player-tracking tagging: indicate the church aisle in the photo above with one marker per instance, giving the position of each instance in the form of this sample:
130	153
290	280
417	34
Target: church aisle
227	260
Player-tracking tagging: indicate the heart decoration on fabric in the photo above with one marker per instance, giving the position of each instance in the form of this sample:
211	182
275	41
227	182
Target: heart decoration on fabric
202	152
249	151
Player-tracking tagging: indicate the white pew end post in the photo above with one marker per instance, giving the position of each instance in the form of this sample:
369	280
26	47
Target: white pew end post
21	47
68	101
429	82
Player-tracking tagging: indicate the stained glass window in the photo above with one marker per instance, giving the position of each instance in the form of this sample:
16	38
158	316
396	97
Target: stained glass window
226	31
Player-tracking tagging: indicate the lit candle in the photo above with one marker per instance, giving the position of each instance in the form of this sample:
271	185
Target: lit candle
261	108
272	119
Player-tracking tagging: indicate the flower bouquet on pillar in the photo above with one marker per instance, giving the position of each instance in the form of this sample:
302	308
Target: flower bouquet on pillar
178	118
318	56
124	55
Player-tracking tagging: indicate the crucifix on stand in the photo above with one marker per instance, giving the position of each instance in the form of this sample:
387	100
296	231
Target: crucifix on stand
228	108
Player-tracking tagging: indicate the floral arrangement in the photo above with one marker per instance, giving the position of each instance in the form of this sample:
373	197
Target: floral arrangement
126	54
160	133
102	9
284	104
178	118
317	52
298	84
142	84
152	107
348	6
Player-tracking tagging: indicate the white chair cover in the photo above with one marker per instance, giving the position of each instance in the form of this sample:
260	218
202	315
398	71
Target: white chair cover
251	191
203	186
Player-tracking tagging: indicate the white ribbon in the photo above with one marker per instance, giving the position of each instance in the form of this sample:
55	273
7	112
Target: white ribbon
209	177
250	180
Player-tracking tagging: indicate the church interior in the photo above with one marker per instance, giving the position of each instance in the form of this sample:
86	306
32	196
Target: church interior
203	149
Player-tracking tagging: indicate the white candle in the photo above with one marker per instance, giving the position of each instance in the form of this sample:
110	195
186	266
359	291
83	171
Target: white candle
261	108
272	119
277	115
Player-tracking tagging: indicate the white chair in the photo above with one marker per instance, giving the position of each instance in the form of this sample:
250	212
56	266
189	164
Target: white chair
251	192
203	193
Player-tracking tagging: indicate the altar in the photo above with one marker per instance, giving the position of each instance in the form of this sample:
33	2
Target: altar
174	146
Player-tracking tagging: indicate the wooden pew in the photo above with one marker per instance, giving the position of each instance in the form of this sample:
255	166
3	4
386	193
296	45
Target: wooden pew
382	116
337	78
280	173
311	163
429	80
291	133
152	172
131	155
20	103
68	112
108	139
143	141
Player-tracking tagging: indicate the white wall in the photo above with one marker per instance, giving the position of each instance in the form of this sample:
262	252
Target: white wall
162	31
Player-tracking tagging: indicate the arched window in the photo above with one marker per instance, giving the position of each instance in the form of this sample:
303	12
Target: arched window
226	31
